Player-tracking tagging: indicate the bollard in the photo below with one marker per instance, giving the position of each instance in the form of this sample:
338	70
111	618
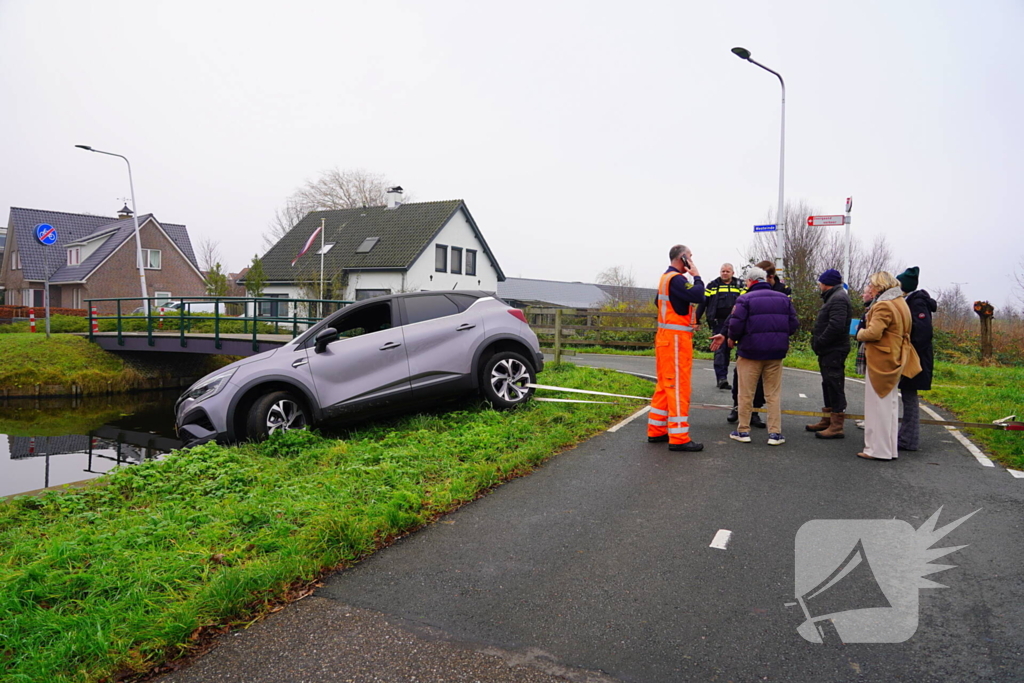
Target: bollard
160	323
31	320
95	321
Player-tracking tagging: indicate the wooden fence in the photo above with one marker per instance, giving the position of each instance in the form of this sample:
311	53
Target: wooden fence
561	328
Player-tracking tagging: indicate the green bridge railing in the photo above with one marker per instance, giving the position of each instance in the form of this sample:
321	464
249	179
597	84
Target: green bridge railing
219	315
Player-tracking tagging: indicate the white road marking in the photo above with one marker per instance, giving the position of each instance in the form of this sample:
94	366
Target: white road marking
802	395
629	419
1017	473
721	539
971	448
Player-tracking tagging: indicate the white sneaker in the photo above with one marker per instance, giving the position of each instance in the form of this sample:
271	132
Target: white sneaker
859	423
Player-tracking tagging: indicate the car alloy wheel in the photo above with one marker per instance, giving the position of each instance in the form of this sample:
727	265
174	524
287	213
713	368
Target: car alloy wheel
285	414
504	379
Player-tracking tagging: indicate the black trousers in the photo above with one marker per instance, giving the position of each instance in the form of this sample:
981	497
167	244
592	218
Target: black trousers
722	354
833	380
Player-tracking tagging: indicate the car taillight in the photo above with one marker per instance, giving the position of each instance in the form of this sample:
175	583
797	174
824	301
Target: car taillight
517	313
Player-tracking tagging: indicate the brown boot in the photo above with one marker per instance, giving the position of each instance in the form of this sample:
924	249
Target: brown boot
835	430
821	424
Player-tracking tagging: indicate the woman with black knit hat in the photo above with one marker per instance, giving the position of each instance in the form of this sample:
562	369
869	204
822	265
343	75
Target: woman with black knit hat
921	305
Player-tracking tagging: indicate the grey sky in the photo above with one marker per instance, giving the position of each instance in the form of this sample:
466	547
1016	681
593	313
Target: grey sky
581	134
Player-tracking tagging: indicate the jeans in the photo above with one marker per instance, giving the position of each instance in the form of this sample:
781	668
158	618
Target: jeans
833	380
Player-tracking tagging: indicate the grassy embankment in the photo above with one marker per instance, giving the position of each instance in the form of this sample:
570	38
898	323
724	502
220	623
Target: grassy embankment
65	360
120	575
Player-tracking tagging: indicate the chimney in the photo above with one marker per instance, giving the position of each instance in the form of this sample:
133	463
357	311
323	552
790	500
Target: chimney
394	197
125	212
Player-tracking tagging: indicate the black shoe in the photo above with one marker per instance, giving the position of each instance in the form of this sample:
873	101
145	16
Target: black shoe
756	421
657	439
689	446
724	384
734	415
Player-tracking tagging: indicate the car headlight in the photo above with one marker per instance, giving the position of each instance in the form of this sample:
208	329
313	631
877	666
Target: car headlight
205	388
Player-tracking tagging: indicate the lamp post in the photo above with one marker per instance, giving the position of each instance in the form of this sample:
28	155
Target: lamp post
780	245
135	215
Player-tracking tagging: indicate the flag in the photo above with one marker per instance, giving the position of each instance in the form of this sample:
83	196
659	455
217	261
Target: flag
309	243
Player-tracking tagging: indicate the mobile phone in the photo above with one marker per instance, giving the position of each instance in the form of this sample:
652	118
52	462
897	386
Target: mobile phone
686	263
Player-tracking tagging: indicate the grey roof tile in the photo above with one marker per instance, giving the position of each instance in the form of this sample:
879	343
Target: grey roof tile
404	233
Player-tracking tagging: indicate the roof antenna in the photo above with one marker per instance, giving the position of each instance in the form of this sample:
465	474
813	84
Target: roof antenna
455	285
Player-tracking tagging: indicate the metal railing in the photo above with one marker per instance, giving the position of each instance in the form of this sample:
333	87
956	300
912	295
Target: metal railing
254	315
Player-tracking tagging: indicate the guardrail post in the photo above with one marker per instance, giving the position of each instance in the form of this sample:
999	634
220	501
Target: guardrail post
216	324
181	325
149	322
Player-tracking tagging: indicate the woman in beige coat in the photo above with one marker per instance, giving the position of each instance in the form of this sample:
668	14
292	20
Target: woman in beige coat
886	338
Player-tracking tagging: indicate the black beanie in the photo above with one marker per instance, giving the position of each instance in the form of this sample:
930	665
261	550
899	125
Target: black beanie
908	279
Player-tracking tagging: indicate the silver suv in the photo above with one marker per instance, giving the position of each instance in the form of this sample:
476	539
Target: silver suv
370	359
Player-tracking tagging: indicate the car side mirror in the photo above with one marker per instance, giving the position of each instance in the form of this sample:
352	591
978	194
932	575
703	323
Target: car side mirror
325	337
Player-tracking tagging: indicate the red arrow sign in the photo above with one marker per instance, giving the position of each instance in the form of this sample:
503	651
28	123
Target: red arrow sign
826	220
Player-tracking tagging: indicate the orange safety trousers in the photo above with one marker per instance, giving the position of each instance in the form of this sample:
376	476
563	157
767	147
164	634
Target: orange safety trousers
673	353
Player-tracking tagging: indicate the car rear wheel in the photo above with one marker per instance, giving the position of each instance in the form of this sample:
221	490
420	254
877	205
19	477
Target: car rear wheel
276	411
503	380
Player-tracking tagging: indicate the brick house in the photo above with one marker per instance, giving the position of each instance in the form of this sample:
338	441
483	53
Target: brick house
94	258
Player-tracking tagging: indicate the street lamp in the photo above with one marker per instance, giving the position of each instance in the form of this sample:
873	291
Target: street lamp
744	53
135	215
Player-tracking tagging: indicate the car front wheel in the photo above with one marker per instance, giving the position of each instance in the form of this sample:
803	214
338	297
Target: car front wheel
276	411
503	380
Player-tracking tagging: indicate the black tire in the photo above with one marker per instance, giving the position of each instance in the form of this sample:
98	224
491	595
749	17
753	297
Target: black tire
278	410
502	378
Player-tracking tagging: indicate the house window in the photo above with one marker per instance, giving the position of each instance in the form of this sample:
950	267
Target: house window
457	260
32	297
76	297
15	261
151	259
161	299
471	262
74	256
363	294
441	258
274	309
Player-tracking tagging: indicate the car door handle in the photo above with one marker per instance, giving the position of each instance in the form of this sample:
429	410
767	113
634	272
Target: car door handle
464	326
389	346
300	362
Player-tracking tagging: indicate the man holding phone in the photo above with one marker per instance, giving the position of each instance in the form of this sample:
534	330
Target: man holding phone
673	351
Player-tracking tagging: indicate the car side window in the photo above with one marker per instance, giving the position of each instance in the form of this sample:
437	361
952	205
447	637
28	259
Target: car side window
420	308
463	301
366	320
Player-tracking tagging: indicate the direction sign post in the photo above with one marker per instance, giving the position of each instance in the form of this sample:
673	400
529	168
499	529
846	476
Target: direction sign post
846	259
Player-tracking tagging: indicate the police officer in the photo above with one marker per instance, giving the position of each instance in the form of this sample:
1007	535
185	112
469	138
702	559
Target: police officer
673	350
719	296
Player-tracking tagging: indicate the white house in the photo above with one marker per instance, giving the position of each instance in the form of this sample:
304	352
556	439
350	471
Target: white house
373	251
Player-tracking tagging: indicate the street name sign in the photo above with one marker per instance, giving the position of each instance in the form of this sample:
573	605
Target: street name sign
766	228
826	220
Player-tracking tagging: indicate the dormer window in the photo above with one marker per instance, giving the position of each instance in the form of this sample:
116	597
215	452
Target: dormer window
74	256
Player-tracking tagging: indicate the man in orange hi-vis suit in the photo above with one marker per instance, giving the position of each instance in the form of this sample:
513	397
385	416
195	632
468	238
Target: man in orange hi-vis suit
669	418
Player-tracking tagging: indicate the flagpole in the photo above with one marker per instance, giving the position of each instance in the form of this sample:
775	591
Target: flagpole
321	260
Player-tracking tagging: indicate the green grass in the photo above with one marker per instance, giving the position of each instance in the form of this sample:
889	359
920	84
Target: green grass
30	359
116	577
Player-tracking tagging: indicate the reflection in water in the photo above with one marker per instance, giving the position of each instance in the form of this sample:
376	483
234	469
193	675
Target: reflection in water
51	442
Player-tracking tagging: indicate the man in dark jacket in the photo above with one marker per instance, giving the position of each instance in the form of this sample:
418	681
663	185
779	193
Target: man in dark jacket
830	340
761	324
719	296
921	305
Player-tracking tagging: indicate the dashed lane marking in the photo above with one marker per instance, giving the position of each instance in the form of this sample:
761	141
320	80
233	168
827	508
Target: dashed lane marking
721	539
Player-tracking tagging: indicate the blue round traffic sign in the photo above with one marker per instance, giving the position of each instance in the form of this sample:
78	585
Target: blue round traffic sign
46	234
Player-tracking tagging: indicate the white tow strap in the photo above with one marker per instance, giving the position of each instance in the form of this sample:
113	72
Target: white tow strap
571	400
584	391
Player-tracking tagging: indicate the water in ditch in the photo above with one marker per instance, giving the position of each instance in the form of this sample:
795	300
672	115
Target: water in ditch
49	442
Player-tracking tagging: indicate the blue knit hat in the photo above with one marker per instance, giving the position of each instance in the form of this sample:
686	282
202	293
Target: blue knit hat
831	277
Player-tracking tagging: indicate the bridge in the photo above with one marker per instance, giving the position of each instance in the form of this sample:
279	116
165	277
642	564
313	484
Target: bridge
234	326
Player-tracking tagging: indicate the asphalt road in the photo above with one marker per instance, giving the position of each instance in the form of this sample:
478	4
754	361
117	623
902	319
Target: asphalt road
598	567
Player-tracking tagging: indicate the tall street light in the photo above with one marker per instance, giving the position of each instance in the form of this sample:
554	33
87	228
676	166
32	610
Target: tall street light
780	219
135	215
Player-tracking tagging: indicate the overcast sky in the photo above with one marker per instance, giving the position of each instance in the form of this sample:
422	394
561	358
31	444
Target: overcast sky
581	135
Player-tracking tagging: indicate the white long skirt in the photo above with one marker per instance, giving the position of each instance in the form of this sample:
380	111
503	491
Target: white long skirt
881	421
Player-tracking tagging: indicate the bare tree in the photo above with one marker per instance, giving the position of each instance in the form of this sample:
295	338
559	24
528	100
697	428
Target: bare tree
209	253
954	310
1018	275
334	189
812	250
